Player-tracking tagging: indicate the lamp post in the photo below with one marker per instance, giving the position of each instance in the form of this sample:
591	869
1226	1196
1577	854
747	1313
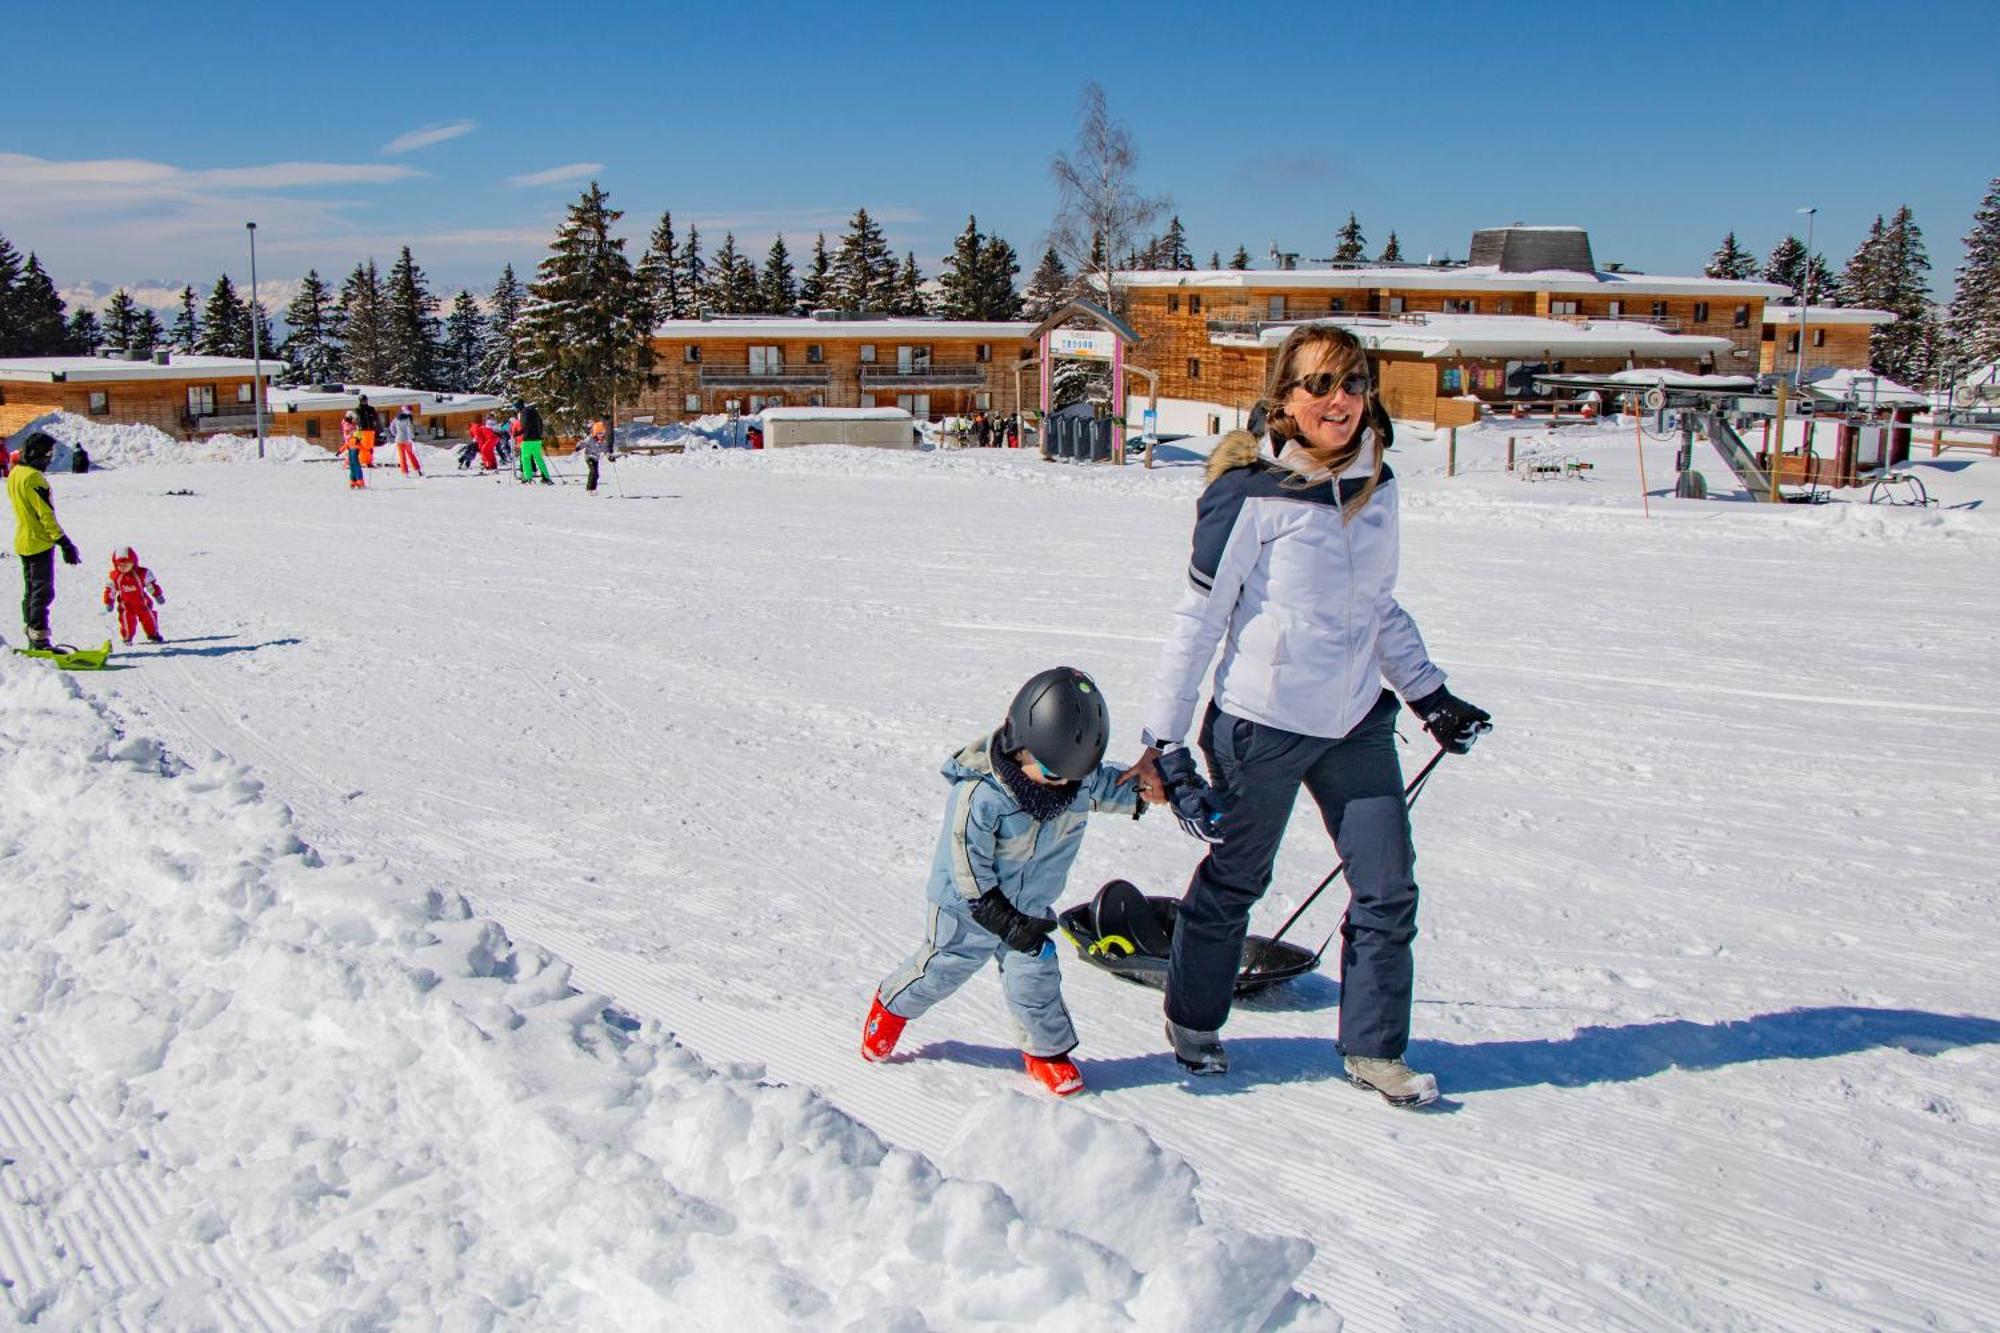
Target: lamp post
1805	311
256	344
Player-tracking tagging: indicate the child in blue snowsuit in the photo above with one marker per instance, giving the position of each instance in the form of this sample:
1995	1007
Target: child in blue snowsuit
1014	822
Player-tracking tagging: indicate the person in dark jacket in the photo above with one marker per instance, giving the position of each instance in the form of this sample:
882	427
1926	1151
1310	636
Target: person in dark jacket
367	426
528	430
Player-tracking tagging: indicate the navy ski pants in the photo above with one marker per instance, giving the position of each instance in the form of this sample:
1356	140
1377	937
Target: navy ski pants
38	592
1357	782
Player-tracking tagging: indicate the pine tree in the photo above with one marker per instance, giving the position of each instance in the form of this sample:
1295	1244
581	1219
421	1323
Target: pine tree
464	349
1973	325
1731	261
1215	259
37	313
959	286
1173	250
998	267
583	339
497	371
864	271
1822	288
361	317
1862	281
258	320
310	347
1241	259
83	332
816	288
694	274
121	322
1906	350
659	275
225	321
1047	289
1351	246
147	335
10	276
1787	266
733	288
413	330
185	336
778	286
1392	253
907	296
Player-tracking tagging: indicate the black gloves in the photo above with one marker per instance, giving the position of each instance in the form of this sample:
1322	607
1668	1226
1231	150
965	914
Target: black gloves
1195	803
68	549
1021	932
1454	723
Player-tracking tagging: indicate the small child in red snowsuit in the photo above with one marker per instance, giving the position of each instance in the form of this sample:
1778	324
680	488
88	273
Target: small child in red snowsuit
132	586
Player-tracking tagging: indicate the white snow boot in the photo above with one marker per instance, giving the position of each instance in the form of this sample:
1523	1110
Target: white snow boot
1399	1084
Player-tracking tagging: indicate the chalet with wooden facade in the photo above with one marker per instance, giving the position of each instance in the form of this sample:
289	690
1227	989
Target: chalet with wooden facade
1834	337
930	368
1447	337
314	411
183	395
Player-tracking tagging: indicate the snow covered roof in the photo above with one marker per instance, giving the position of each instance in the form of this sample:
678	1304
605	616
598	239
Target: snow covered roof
832	330
96	369
1647	378
1467	278
384	397
1826	314
1862	386
1500	335
835	414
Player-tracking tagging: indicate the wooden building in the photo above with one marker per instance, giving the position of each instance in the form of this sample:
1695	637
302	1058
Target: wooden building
1205	331
187	396
931	368
1835	337
314	412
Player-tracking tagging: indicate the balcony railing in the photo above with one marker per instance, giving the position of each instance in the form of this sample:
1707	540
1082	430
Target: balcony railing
1251	328
757	377
972	374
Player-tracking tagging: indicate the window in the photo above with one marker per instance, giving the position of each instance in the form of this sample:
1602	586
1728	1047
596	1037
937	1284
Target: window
1770	334
913	360
1504	306
692	403
816	400
1173	303
1792	341
1214	424
868	356
1819	337
201	400
1615	309
760	401
917	405
1274	308
1336	305
1395	305
242	393
1563	307
312	428
691	354
1194	367
982	402
767	360
1659	310
815	354
1701	312
1194	304
1454	379
1741	319
982	352
100	403
1461	305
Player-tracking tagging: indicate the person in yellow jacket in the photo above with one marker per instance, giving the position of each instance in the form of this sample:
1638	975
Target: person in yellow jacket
37	535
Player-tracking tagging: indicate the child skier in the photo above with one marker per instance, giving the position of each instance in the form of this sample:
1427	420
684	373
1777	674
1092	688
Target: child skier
403	430
350	444
1019	800
132	587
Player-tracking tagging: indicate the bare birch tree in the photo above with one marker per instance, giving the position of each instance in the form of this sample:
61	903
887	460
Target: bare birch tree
1100	212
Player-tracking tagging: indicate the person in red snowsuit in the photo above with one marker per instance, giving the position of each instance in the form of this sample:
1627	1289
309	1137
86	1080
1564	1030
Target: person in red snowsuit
132	586
488	441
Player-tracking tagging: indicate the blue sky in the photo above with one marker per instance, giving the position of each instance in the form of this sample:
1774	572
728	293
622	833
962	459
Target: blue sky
148	133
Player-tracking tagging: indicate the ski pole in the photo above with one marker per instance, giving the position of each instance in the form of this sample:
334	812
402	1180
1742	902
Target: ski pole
1410	794
615	479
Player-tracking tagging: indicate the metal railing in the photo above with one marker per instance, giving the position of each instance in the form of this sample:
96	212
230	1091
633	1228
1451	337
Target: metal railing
747	377
932	373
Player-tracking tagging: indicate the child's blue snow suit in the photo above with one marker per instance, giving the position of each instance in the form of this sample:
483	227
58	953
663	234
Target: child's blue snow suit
989	842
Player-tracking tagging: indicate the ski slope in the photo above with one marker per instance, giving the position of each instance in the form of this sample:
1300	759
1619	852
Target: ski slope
1699	971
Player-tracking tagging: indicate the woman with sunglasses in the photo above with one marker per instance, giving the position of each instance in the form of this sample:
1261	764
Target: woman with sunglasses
1293	577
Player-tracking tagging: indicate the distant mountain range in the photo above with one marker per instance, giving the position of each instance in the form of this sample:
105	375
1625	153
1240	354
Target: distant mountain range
164	297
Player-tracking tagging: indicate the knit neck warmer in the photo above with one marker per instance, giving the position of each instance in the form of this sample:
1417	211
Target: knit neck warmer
1042	803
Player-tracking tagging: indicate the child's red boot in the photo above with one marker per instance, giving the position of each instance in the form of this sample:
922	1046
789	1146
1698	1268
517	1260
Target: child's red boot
1057	1073
879	1033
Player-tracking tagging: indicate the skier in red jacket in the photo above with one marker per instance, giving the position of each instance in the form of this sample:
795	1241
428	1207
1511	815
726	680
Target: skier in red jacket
132	586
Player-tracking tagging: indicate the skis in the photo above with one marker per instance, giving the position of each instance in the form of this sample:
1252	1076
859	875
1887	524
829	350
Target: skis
72	659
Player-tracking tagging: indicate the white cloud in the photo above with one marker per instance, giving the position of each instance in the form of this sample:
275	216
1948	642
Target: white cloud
575	171
411	140
38	186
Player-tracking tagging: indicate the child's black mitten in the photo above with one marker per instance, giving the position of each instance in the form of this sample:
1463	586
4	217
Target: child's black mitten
1021	931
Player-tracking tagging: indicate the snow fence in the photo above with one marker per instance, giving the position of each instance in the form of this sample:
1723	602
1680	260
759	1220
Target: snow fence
242	1085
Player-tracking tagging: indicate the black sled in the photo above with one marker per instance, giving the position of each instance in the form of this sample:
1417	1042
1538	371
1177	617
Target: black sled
1129	934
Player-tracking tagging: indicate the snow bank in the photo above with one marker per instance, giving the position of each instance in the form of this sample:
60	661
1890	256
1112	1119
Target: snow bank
112	445
296	1091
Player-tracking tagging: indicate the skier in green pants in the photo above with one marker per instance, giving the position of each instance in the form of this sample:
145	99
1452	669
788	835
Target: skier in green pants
528	422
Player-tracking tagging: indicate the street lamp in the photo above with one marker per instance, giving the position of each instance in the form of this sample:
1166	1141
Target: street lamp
256	344
1805	311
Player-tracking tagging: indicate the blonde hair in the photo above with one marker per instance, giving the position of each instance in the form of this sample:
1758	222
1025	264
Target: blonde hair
1346	355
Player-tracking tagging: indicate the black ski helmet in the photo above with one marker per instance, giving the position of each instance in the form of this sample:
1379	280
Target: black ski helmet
1059	717
38	449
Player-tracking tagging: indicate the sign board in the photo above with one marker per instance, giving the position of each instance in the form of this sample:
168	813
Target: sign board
1150	422
1095	343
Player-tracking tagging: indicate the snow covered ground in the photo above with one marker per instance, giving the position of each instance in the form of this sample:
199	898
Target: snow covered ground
314	914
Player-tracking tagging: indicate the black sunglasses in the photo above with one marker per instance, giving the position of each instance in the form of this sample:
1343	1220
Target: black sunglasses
1321	383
